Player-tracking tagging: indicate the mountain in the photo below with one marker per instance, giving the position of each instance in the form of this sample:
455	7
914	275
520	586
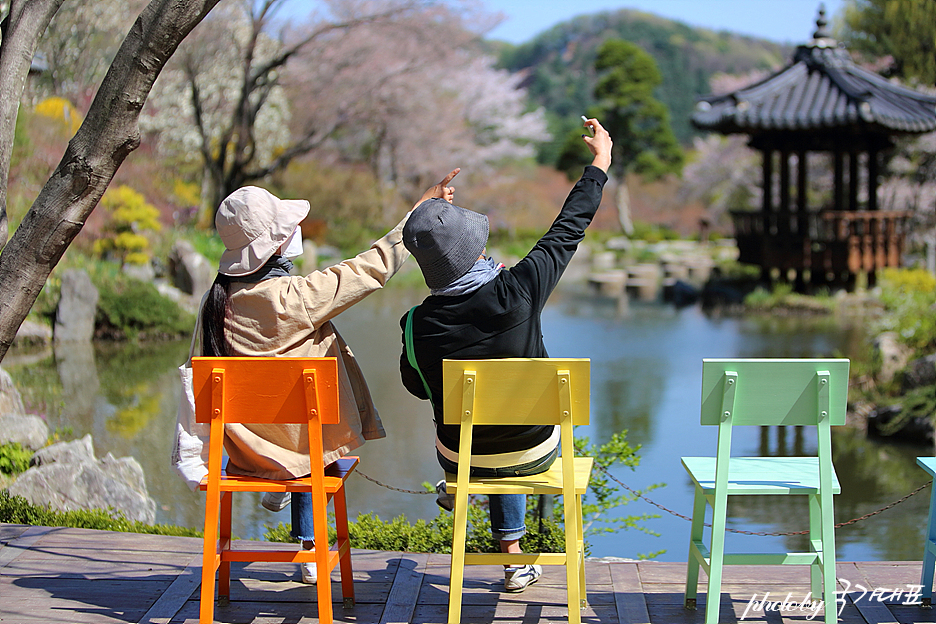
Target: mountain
559	74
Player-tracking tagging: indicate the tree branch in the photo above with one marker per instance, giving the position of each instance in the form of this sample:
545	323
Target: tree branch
21	28
108	134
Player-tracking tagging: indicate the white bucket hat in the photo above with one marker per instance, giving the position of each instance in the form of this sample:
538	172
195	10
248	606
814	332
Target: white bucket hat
253	223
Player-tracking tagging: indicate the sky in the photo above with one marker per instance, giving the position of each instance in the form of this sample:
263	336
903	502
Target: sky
783	21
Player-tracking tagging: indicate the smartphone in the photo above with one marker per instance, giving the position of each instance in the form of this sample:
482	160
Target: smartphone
589	126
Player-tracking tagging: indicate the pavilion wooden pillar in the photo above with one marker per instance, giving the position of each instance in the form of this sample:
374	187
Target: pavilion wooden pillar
767	206
802	221
838	189
877	226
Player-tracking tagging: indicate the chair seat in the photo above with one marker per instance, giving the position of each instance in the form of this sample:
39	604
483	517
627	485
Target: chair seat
549	482
928	464
335	474
761	475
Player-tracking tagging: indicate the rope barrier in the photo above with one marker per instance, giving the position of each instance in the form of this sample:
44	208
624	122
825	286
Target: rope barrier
743	532
390	487
637	494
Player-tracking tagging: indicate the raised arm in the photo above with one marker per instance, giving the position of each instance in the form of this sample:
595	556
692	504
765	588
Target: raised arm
539	272
330	291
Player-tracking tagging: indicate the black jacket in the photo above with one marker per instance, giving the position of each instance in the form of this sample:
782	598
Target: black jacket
501	319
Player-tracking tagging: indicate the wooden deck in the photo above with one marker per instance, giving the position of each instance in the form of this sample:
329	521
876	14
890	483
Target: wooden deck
77	576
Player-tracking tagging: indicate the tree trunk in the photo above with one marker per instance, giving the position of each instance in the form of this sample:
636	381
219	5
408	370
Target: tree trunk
623	203
109	133
22	28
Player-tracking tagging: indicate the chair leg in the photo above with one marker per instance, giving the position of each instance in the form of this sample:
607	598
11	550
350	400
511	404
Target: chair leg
457	570
580	548
815	535
695	536
716	558
929	553
323	587
572	559
341	528
224	535
829	579
209	560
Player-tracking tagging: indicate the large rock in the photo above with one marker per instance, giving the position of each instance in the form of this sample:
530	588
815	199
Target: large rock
920	372
74	317
32	334
67	477
894	356
190	271
142	272
15	425
29	431
10	400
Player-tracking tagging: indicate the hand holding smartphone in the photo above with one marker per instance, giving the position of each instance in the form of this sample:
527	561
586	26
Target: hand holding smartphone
588	125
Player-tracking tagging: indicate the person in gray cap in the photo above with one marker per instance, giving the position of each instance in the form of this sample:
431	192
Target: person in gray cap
256	307
477	309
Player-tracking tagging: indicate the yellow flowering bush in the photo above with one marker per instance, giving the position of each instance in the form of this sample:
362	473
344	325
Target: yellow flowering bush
129	216
61	110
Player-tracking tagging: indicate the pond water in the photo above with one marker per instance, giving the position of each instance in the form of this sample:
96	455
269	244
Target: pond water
646	367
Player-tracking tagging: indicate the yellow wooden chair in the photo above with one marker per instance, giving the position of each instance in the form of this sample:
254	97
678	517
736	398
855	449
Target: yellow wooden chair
801	392
519	392
274	391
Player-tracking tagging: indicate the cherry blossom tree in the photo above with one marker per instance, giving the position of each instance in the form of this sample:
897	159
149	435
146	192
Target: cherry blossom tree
399	85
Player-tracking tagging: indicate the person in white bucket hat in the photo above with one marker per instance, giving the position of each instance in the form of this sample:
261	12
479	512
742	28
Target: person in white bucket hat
257	308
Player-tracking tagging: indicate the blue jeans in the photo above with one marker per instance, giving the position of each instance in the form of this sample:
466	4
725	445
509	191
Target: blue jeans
301	509
508	511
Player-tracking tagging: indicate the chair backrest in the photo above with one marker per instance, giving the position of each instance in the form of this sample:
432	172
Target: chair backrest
516	391
774	391
266	389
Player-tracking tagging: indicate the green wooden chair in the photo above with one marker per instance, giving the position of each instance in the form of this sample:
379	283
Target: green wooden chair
929	549
802	392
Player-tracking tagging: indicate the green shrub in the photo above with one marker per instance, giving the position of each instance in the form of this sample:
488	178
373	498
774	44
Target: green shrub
14	459
909	308
781	296
369	532
17	510
130	308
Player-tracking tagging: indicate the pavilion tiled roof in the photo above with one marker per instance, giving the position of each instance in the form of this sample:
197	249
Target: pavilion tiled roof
821	90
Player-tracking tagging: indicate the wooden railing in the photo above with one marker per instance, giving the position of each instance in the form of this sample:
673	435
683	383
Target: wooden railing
841	240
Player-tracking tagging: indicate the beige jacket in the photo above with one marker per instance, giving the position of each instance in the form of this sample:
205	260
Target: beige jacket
291	316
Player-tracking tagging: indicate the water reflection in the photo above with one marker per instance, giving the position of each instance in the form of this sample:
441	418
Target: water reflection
646	377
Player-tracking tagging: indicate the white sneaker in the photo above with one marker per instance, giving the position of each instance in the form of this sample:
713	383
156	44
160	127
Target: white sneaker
516	579
443	499
275	501
309	572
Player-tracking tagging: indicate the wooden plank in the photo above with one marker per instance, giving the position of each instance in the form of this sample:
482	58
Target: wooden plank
9	532
405	590
628	594
913	614
26	540
269	612
75	600
515	613
871	608
176	595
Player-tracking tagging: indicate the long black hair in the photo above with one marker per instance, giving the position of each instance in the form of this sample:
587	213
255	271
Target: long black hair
214	343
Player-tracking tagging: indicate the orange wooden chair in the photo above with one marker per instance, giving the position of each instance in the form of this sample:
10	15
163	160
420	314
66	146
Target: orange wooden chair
278	391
